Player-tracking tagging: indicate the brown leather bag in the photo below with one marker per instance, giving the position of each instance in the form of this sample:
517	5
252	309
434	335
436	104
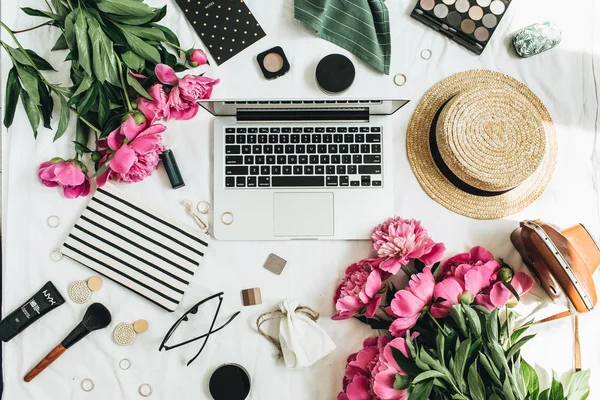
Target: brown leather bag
563	262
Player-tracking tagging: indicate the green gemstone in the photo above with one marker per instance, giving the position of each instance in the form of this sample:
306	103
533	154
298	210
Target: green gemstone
536	39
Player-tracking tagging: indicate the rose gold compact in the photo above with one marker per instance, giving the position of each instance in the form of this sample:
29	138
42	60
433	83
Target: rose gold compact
273	63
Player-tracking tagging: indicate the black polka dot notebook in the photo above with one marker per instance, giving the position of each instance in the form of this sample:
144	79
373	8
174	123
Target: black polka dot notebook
226	27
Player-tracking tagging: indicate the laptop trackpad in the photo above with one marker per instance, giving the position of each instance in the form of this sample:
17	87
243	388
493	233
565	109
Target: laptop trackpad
303	214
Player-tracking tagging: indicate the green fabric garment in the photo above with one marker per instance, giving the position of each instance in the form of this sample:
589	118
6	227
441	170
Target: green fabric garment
359	26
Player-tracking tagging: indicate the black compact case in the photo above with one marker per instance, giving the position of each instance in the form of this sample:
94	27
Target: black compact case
267	71
470	23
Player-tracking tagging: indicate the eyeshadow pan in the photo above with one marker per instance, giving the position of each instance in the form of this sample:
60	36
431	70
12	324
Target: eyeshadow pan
449	2
273	62
454	18
482	34
441	10
462	6
467	26
427	4
497	7
489	21
476	13
484	3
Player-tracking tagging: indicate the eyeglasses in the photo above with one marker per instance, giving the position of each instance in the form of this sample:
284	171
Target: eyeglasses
185	317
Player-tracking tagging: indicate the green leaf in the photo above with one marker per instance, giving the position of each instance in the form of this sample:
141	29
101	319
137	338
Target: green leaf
131	20
81	148
13	89
476	385
160	14
498	357
545	395
102	169
519	331
507	390
482	310
435	270
473	318
46	104
459	318
83	86
141	48
83	43
410	345
133	61
60	8
490	368
144	32
61	43
556	389
133	82
39	13
104	58
69	30
419	265
423	376
103	107
169	34
39	62
406	364
440	342
460	360
125	8
88	100
32	111
421	391
82	133
401	382
492	326
19	56
579	386
532	382
65	116
515	347
29	81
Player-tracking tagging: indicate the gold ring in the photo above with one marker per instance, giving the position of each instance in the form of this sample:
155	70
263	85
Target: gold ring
145	393
225	214
400	79
426	54
83	385
53	221
125	364
203	207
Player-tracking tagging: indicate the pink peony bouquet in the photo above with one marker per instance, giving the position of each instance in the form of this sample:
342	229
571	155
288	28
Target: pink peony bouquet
451	329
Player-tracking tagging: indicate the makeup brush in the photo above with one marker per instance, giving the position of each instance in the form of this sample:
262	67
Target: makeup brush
96	317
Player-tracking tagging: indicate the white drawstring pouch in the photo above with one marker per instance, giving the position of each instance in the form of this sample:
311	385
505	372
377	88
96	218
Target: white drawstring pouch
302	342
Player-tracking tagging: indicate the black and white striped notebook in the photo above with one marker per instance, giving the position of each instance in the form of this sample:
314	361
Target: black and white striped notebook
134	246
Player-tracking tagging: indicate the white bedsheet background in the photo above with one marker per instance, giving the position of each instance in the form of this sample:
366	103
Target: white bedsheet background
563	78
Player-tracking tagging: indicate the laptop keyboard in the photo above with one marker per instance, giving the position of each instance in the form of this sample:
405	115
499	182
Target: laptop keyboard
291	157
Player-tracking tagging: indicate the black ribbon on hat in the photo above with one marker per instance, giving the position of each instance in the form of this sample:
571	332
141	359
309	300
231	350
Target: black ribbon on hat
443	167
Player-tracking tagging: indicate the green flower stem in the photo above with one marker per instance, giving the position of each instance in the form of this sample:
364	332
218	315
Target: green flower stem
124	86
70	5
85	121
33	27
175	46
437	323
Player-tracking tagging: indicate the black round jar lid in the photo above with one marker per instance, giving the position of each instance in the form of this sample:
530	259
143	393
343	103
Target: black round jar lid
229	382
335	73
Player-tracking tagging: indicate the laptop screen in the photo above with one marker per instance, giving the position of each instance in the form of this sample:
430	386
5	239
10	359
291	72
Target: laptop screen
374	107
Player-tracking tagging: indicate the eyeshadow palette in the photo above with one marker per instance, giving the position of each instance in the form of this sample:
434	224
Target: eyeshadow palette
470	23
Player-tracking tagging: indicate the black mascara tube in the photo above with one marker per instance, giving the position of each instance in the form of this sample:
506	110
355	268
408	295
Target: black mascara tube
45	300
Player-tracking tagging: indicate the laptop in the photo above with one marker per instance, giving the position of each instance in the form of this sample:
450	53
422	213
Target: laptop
302	169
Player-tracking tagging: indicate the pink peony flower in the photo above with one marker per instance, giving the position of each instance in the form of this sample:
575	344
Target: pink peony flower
196	57
385	370
183	97
478	256
155	110
499	295
360	290
408	304
398	241
131	150
67	174
359	368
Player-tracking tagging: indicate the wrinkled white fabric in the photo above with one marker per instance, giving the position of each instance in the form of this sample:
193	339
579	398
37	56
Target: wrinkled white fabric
303	341
563	78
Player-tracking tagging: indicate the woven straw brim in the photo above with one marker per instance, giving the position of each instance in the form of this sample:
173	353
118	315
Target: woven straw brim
438	187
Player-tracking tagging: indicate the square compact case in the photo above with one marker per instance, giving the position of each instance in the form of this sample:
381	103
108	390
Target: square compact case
470	23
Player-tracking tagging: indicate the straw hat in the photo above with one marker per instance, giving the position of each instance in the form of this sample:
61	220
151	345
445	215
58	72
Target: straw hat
482	144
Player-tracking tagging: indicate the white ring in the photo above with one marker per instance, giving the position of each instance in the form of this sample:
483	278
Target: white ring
125	364
400	79
426	54
141	390
56	255
205	208
227	222
83	386
53	221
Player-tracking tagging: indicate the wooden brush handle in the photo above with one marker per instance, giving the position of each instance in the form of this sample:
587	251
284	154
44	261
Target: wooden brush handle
49	359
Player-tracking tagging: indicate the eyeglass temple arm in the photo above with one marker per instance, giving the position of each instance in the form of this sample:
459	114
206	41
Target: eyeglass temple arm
167	348
212	325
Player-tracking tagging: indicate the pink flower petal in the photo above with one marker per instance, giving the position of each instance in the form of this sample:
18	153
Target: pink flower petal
358	389
130	129
479	253
103	177
166	74
349	304
373	284
115	139
435	255
69	174
383	386
522	282
499	295
406	304
475	281
123	159
185	114
365	357
400	325
145	144
136	75
373	306
422	284
484	300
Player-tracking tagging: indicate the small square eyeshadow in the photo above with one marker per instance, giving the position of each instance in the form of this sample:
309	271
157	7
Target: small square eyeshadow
251	297
275	264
